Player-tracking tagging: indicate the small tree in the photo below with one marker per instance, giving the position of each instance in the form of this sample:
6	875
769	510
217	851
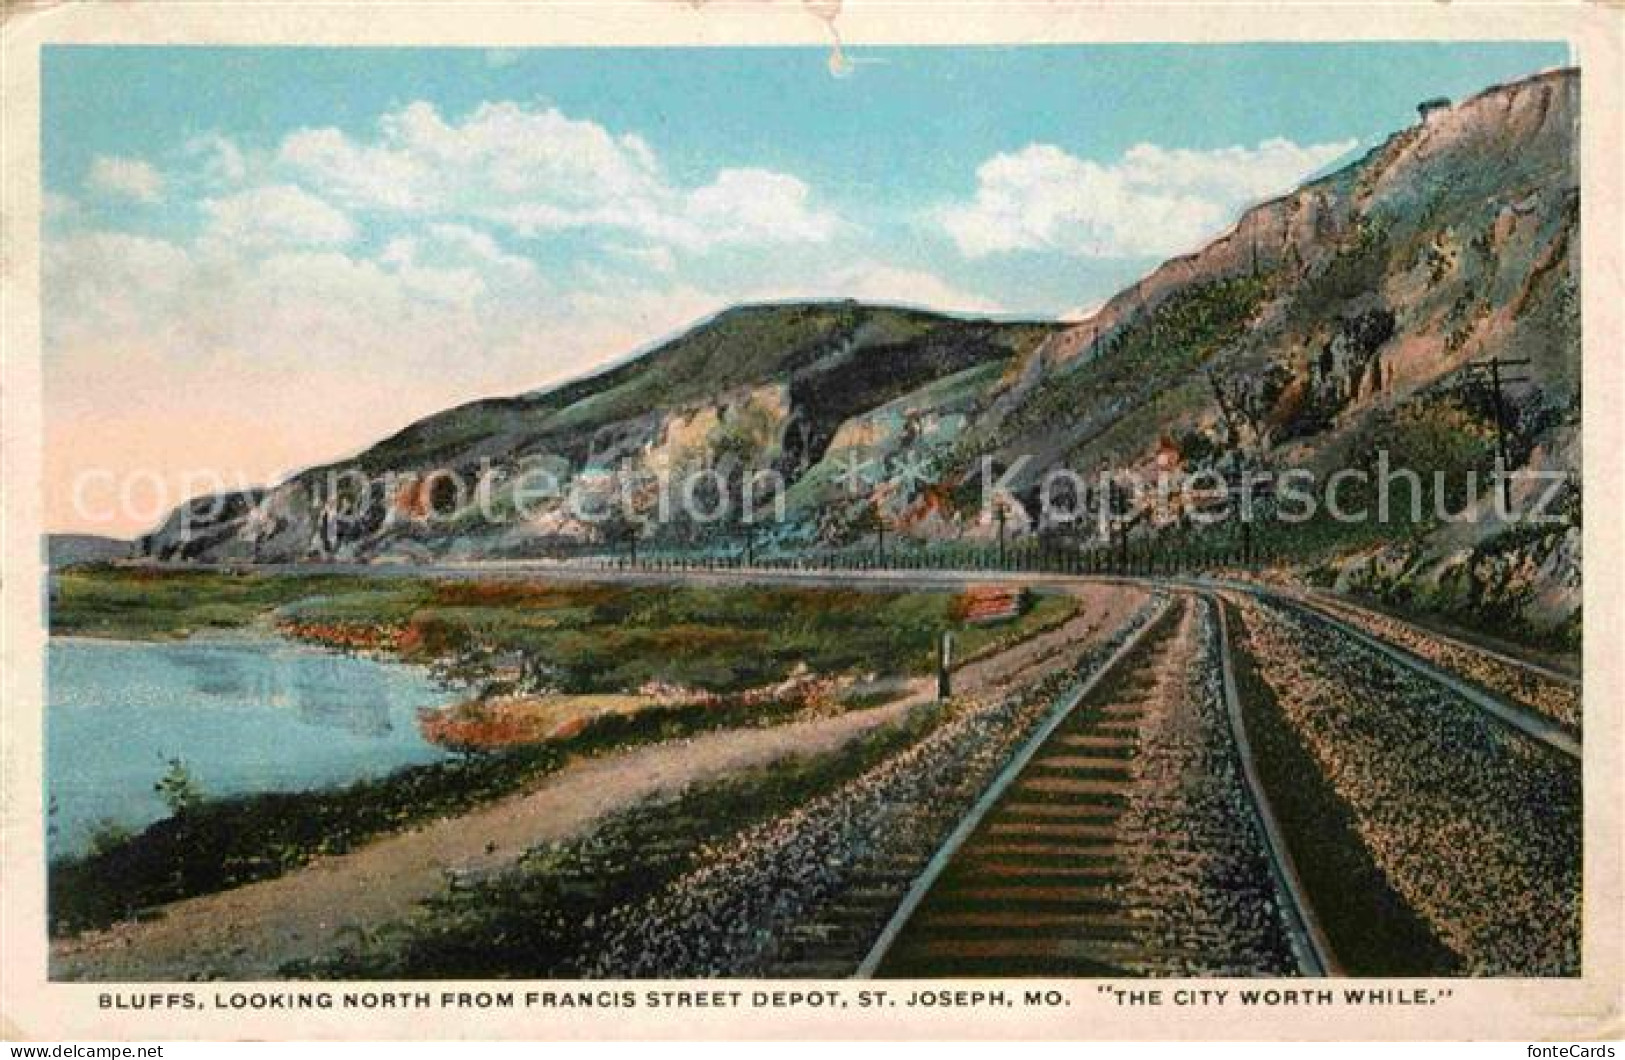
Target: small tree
108	835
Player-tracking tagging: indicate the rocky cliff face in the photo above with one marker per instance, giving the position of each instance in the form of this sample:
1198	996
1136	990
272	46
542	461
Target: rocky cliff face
1329	326
1336	327
1456	240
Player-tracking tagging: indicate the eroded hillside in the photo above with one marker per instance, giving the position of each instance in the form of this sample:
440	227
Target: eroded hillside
1328	328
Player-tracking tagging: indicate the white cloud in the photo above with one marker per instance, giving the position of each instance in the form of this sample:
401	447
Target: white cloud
751	206
109	279
363	176
445	314
59	208
460	264
656	259
275	215
1273	167
537	171
130	178
472	245
1151	202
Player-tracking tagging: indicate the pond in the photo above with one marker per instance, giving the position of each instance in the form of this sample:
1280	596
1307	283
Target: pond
245	714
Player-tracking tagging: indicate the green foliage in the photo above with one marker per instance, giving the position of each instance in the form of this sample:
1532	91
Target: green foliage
1135	365
1486	592
598	639
1449	448
1439	456
108	835
153	604
1354	271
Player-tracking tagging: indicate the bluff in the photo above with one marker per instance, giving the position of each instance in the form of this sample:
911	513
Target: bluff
1329	328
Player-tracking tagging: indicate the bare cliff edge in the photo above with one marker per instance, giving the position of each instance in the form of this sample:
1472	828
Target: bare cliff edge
1329	323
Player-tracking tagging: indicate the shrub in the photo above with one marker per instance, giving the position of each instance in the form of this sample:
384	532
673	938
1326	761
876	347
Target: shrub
178	787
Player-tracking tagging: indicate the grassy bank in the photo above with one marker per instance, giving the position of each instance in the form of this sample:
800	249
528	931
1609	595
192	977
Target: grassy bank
571	638
539	920
217	844
1372	930
137	604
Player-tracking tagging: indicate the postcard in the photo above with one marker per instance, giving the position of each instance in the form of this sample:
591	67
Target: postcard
812	520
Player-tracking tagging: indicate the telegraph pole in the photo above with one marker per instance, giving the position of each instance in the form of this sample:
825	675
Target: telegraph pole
1117	508
1244	488
1487	375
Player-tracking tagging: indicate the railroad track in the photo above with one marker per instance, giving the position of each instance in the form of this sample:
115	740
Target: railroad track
1330	602
1065	868
833	941
1417	753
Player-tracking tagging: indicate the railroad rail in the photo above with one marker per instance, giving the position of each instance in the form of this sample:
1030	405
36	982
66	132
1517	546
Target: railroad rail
1540	670
1309	943
967	826
1530	723
1028	882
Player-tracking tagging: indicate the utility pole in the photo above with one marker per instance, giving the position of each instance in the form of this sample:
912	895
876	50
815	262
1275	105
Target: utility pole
1486	375
746	522
880	534
1001	515
1119	521
1244	488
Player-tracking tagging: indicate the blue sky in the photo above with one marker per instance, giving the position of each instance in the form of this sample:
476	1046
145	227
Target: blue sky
233	224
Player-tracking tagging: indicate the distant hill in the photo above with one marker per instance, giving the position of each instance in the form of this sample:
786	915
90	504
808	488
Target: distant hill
769	386
1329	324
